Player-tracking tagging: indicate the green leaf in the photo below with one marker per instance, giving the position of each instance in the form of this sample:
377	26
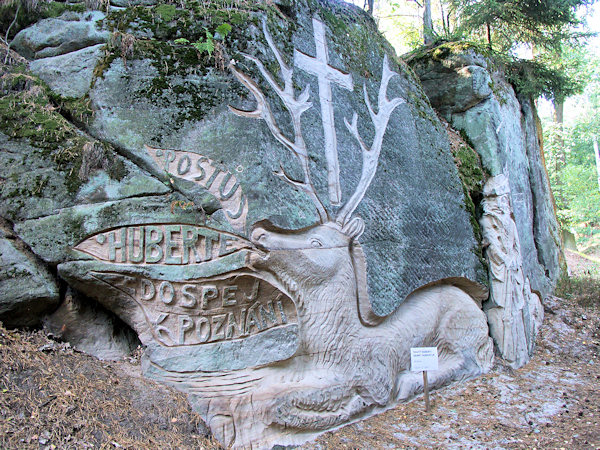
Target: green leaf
224	29
181	41
207	46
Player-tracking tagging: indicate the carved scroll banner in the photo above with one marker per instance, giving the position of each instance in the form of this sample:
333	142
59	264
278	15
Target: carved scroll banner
197	304
201	170
168	244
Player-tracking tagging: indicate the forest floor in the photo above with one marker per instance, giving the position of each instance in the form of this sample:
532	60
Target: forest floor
52	397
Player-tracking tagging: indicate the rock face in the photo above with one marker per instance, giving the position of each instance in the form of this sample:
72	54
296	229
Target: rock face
502	127
89	328
27	289
270	203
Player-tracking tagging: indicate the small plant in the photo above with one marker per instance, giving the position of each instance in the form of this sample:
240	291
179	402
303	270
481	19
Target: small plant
181	204
210	43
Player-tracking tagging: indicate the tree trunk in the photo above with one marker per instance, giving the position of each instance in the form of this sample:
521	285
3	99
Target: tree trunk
559	157
489	34
370	6
445	25
597	154
559	118
427	23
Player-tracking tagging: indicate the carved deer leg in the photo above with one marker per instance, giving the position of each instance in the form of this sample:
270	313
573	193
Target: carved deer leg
320	408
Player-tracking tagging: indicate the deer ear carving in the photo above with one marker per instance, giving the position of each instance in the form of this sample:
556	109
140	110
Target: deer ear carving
354	228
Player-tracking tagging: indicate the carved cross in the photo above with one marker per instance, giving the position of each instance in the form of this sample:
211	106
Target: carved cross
326	74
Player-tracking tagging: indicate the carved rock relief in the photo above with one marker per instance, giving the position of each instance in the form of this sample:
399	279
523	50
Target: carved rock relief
514	312
201	170
273	336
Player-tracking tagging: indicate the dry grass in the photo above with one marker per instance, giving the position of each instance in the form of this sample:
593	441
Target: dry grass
584	283
52	397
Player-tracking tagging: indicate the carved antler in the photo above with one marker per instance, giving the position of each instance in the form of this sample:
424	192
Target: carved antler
295	107
370	155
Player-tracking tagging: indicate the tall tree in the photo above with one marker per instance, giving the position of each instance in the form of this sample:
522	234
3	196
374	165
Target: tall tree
427	23
507	23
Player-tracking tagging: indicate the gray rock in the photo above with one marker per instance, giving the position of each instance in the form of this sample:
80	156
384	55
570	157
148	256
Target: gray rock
90	329
52	237
125	3
503	129
27	289
36	186
405	194
70	74
58	36
284	301
457	90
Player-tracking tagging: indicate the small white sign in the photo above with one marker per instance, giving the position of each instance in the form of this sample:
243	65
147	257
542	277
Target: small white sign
423	358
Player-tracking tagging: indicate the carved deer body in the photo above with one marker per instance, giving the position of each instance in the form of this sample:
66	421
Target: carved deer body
322	270
350	362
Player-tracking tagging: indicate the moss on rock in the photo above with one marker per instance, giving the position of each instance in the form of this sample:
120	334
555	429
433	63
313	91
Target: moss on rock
30	111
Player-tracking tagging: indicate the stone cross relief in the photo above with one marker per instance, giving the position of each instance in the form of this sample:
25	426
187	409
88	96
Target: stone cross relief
271	333
326	75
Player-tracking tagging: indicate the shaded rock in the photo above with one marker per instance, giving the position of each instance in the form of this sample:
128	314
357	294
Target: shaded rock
58	36
185	108
457	90
90	329
503	129
52	237
69	75
37	186
27	289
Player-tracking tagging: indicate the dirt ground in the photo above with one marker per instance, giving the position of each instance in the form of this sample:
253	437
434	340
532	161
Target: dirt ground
553	402
53	397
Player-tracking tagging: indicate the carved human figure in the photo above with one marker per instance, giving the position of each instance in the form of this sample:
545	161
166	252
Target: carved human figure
511	305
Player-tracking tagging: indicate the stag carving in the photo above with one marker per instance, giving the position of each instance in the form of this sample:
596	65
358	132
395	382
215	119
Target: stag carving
350	362
271	332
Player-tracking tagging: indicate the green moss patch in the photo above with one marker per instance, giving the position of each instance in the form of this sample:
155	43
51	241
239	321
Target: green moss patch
29	111
472	177
443	51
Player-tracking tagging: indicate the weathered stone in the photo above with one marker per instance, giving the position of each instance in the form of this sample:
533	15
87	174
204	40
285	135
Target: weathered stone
131	112
69	75
36	186
457	90
52	237
514	312
27	289
502	128
90	329
305	233
59	36
293	308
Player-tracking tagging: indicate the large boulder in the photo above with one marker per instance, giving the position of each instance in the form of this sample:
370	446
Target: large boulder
471	93
264	195
61	35
27	289
524	253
